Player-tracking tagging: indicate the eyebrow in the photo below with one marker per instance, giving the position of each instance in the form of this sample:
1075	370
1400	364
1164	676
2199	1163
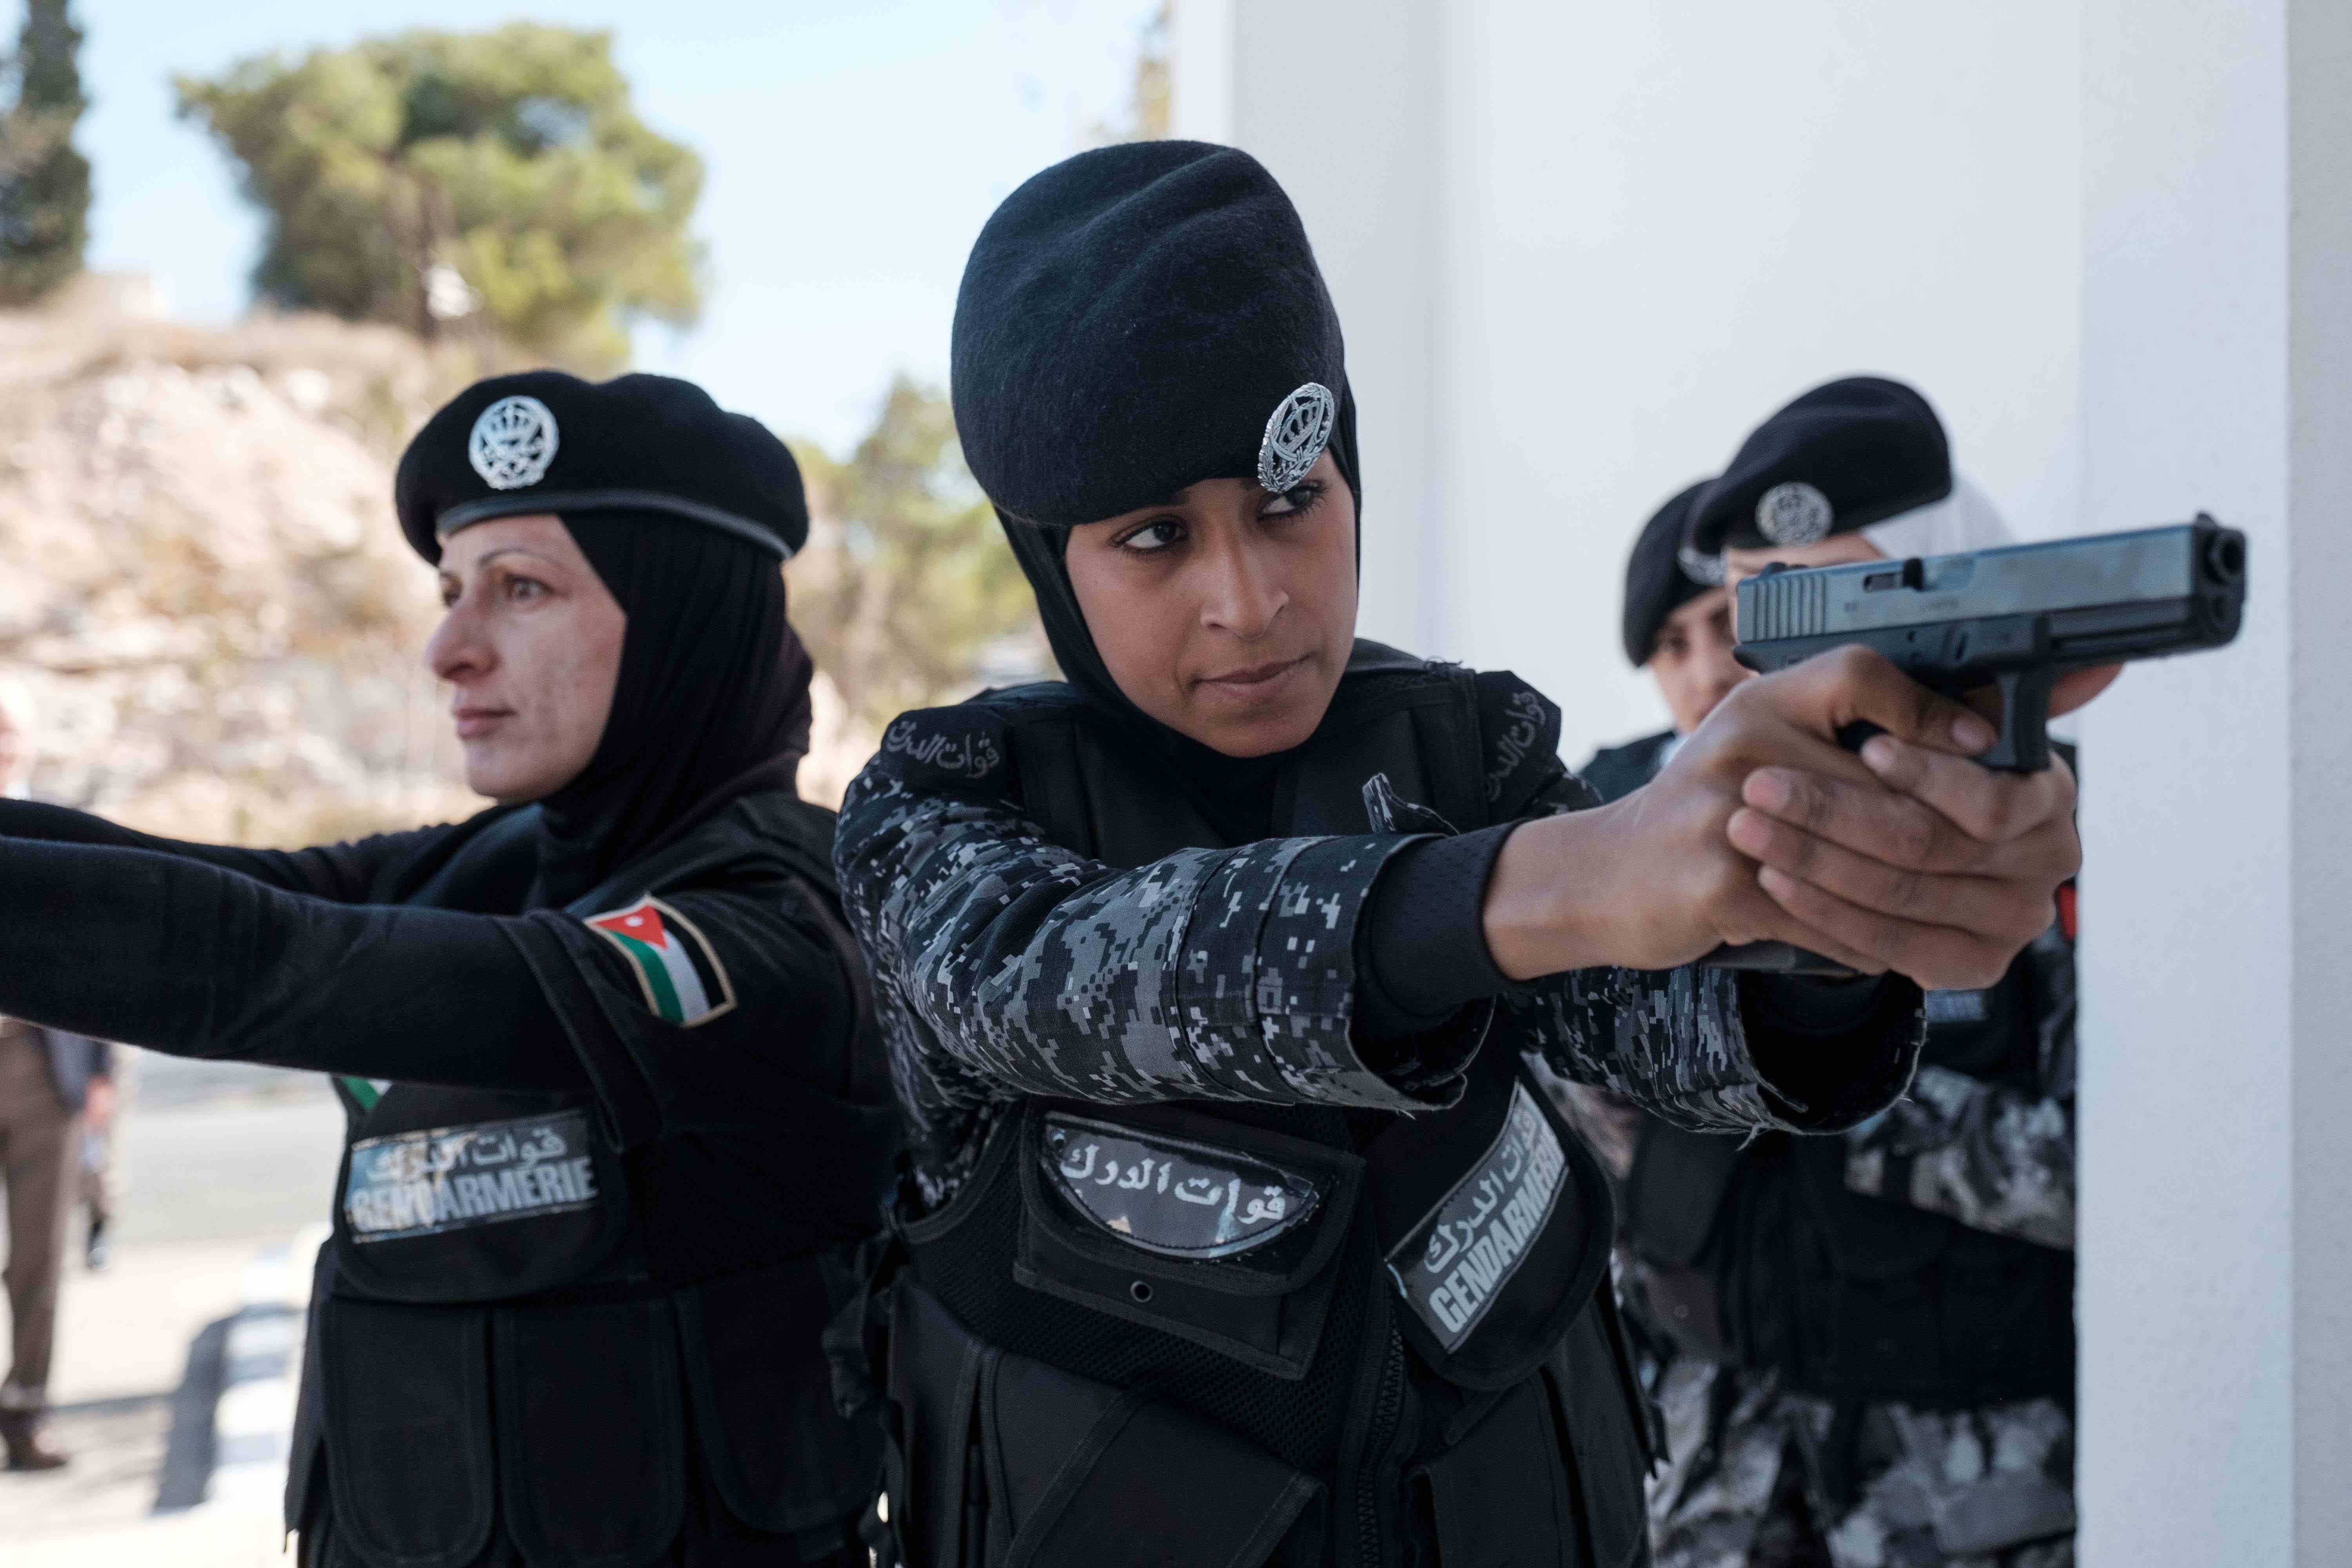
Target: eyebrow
510	549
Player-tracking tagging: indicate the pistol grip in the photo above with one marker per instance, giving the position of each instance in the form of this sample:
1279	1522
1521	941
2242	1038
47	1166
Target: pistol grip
2024	743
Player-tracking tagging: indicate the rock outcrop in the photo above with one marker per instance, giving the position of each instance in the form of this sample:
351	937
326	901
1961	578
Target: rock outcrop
209	625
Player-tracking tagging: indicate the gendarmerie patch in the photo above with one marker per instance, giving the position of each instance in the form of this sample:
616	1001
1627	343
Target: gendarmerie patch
684	982
1172	1196
513	443
960	747
1520	728
409	1184
1451	1267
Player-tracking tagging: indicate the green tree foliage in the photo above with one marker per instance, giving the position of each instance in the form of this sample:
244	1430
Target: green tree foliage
908	594
44	182
499	179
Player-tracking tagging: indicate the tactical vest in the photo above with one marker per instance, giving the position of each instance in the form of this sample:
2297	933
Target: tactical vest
1760	1253
498	1342
1237	1333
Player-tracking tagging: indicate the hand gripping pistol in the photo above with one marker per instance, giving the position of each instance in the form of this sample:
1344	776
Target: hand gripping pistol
2016	618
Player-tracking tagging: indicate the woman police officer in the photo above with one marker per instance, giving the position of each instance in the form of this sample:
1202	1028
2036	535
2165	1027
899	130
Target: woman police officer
1217	982
586	1236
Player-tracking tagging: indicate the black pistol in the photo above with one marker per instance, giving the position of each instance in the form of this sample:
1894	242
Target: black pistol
2016	618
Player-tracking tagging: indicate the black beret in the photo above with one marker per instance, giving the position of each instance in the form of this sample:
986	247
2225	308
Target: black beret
1842	456
545	441
1662	576
1134	319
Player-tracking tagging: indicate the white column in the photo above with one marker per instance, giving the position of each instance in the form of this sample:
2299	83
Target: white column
1341	102
1201	69
1581	249
2216	1291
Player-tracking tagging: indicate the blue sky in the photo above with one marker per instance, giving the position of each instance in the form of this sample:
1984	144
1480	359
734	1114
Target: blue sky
854	148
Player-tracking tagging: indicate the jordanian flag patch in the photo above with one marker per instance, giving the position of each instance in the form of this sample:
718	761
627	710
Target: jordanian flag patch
684	982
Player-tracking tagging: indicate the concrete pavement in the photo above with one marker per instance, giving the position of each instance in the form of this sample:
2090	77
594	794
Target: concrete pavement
226	1170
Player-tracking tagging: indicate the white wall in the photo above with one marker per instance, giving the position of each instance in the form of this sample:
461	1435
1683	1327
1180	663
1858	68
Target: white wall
1580	251
1363	164
2216	1287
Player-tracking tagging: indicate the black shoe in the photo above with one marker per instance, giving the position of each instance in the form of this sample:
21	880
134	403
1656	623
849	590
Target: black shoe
98	1251
21	1431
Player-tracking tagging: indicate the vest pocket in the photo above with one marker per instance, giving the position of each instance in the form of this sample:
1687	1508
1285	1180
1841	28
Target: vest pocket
1017	1464
408	1431
588	1407
1552	1472
1502	1496
782	1458
1261	1300
1599	1407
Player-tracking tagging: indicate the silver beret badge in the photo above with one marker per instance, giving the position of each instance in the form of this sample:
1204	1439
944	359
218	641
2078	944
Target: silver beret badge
512	444
1793	514
1295	434
1705	570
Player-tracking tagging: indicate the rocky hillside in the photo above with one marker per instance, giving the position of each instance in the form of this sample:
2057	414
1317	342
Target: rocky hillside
209	624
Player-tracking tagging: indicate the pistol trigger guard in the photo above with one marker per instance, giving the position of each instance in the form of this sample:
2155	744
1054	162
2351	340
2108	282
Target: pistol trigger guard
2024	743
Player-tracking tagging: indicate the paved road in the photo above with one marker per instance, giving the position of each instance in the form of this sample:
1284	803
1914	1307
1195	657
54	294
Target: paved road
221	1162
253	1158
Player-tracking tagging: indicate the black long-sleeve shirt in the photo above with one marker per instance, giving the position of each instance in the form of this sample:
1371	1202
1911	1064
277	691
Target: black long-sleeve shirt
313	959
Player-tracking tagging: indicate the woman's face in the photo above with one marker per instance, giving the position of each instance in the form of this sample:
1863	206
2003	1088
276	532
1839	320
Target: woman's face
532	645
1692	658
1227	614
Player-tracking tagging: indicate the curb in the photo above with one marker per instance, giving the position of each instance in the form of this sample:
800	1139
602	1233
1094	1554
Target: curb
261	1376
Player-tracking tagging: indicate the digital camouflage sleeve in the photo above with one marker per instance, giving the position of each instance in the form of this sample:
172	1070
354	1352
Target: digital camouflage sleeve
1992	1157
1005	966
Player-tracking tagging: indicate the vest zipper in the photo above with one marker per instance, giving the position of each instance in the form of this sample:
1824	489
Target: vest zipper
1387	1405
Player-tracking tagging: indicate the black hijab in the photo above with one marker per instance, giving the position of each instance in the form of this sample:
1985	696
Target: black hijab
711	700
1234	793
1132	320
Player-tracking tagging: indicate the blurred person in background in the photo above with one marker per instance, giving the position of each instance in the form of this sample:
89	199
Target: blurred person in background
1867	1342
1677	625
53	1086
1235	1229
100	1184
619	1118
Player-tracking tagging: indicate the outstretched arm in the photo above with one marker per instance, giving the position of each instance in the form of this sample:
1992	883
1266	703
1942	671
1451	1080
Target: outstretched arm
339	871
1694	1046
171	953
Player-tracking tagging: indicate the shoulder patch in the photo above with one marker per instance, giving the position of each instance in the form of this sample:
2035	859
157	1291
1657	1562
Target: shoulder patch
1520	727
676	965
961	747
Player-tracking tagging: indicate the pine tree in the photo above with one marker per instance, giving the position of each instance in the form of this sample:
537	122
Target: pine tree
498	181
44	182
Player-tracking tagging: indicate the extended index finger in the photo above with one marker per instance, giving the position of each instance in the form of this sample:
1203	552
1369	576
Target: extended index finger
1853	684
